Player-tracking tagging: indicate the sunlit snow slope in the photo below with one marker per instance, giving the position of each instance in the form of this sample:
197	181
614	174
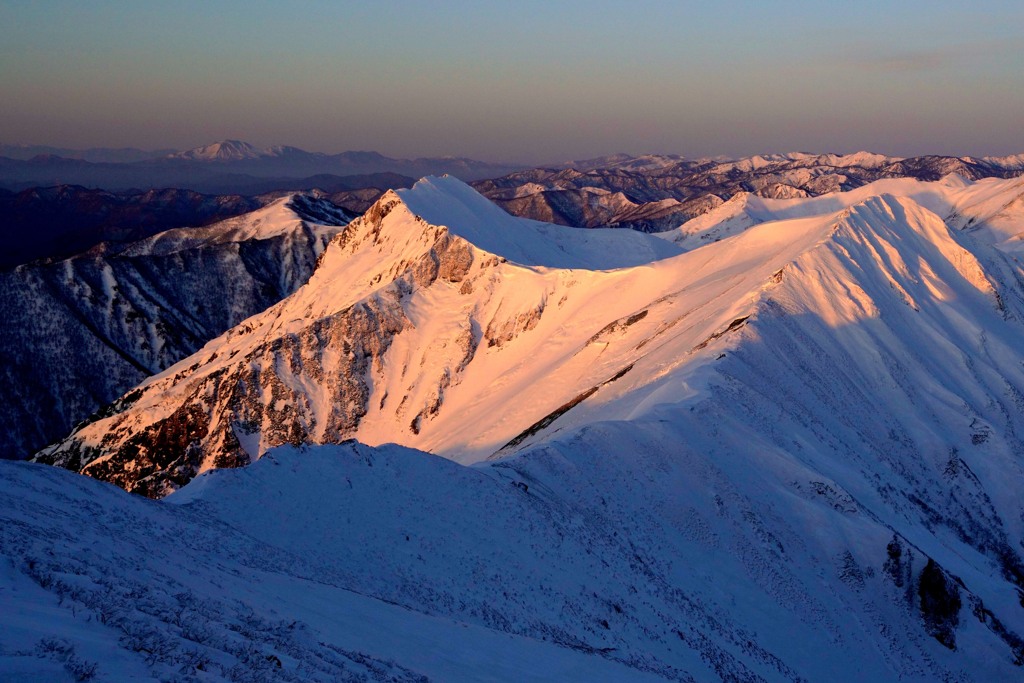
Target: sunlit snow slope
410	332
396	336
794	453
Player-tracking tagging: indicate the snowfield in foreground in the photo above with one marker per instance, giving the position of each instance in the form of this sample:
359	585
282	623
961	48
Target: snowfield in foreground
653	551
789	451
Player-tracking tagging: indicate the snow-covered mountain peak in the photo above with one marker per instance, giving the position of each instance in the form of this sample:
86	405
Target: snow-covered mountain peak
289	215
226	150
445	199
410	332
990	208
269	220
449	202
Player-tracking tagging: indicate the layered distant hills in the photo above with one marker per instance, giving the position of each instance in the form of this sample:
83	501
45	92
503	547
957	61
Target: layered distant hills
61	211
63	220
231	166
118	155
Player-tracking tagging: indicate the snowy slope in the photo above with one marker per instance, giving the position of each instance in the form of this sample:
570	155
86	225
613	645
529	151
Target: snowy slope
76	334
408	333
655	550
992	207
794	453
99	585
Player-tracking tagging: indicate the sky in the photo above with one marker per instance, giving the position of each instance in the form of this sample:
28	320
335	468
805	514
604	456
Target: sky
524	82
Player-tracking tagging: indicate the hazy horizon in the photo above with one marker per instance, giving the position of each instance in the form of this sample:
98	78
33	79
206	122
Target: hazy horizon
500	161
524	83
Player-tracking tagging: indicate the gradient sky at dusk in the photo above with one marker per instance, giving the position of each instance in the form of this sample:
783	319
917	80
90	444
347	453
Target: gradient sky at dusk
519	81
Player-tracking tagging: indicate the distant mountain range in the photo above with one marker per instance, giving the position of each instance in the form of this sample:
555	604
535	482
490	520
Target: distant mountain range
63	213
61	221
119	155
228	166
660	192
64	220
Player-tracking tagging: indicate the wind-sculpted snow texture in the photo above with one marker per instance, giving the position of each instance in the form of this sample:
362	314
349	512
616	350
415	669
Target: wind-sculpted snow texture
624	552
792	452
659	192
76	334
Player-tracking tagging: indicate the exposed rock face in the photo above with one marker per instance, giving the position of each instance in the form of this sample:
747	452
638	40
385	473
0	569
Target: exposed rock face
263	398
940	604
256	401
78	333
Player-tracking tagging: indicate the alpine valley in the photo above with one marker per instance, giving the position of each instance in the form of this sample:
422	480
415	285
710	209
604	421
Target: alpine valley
773	432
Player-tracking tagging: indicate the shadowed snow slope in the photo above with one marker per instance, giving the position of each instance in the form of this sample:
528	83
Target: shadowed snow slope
95	580
77	333
660	550
791	454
